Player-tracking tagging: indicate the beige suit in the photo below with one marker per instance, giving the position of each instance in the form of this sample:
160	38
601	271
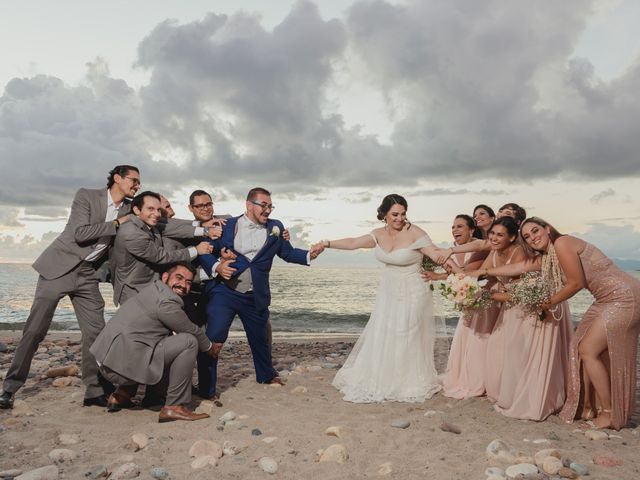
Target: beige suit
139	255
63	271
137	344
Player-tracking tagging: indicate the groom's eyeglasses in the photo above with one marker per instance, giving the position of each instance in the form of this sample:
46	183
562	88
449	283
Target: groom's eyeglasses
264	206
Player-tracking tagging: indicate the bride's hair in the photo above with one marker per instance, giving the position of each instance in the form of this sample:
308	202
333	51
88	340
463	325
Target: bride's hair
388	202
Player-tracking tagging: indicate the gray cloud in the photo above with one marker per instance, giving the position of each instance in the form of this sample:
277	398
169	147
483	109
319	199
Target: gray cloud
9	217
24	248
492	93
598	197
615	241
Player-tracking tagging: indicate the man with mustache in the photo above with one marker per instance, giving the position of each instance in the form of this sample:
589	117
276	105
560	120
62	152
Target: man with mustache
138	346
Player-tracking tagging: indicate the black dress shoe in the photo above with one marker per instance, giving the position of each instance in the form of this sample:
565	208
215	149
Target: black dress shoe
99	401
6	400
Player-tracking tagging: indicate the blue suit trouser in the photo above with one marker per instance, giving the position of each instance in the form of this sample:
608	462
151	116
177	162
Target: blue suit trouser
222	308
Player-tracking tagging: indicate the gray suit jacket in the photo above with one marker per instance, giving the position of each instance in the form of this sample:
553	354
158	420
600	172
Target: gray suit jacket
131	343
80	236
139	255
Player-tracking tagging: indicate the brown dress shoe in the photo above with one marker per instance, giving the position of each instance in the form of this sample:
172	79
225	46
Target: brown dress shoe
178	412
276	380
118	400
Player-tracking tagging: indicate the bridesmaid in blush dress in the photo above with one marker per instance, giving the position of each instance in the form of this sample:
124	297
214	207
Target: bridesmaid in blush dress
603	350
529	356
465	372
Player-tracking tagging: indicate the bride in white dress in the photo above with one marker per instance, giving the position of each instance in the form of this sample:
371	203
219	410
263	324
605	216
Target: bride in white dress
393	358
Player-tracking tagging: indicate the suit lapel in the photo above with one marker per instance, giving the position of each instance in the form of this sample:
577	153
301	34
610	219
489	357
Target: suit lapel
270	239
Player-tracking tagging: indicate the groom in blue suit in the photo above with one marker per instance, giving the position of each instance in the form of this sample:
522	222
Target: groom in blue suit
241	285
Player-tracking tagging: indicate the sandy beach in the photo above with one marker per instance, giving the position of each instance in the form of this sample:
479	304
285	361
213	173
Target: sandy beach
288	425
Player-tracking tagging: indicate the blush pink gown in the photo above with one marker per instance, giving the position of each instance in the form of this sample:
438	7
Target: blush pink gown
465	374
530	362
617	302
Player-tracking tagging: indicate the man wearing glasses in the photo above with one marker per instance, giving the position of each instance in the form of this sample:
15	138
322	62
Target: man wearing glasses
241	285
69	267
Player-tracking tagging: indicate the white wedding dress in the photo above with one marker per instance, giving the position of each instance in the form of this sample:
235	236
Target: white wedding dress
393	358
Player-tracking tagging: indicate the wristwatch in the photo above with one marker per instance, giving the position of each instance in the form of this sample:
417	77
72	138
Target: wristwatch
116	223
205	230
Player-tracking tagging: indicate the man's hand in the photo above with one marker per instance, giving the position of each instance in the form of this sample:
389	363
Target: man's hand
203	248
226	254
224	270
215	232
214	350
215	222
316	250
124	218
286	235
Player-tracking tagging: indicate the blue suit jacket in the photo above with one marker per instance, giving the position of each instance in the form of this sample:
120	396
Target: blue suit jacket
260	265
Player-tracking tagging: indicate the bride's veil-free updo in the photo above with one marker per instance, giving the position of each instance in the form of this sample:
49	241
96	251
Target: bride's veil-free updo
388	202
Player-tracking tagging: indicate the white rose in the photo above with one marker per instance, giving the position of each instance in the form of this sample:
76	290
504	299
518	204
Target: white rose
275	231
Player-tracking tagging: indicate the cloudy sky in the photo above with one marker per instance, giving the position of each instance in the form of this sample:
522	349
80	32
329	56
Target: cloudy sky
331	105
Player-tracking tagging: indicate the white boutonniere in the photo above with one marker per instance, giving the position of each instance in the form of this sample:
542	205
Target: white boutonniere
275	231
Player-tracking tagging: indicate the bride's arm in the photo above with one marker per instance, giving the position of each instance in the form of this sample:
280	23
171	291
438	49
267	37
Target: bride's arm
365	241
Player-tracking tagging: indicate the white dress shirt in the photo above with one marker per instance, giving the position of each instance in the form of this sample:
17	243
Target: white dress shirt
104	242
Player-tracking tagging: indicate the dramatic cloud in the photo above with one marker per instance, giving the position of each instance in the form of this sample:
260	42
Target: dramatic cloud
9	218
477	91
25	248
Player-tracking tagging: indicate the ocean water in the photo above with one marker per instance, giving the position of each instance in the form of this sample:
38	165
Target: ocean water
316	299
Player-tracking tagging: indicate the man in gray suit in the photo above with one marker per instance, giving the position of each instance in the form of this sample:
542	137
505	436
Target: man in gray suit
137	345
139	253
68	267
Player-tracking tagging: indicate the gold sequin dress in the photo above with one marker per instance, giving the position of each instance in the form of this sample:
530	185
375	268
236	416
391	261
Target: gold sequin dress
617	302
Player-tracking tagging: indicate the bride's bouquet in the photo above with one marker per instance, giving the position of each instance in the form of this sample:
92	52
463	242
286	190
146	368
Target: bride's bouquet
428	265
465	291
530	293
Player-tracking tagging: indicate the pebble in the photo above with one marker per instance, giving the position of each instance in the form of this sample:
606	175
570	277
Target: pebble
62	382
97	472
125	472
206	406
62	455
430	413
551	465
581	470
9	473
449	427
50	472
69	371
3	348
543	454
21	409
299	389
401	423
68	438
334	432
230	448
269	440
596	435
140	440
523	469
607	460
256	432
203	448
525	459
553	436
268	465
314	368
335	453
539	441
385	469
498	472
243	417
565	472
500	452
227	417
159	473
204	461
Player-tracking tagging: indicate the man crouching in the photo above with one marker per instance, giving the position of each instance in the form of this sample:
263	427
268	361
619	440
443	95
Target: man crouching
137	345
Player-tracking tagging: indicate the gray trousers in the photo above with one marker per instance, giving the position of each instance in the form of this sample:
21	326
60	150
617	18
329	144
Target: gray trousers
81	284
180	352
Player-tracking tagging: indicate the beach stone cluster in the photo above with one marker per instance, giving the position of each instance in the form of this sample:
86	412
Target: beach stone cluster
507	463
